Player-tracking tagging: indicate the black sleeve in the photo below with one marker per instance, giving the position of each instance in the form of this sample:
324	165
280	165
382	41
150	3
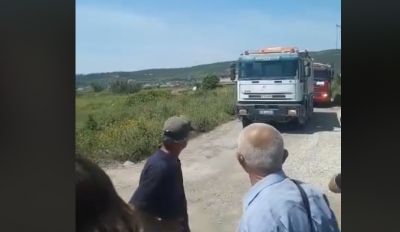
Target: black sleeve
156	194
172	204
146	196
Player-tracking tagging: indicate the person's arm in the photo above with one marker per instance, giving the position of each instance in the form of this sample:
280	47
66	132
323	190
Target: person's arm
295	220
146	195
335	185
172	195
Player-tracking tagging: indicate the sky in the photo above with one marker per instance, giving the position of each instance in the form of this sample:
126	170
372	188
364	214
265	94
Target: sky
126	35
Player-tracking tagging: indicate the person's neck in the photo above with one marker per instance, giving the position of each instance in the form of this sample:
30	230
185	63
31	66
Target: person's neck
254	179
169	151
257	176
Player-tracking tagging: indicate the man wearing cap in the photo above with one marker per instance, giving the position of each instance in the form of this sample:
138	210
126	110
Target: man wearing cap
160	193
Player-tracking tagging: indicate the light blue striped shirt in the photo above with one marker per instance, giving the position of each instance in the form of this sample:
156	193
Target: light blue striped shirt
274	204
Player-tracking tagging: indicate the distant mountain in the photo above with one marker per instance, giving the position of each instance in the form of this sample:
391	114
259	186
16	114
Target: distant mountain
324	56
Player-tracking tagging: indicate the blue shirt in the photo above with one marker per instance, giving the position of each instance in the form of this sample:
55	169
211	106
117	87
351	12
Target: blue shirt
274	204
160	191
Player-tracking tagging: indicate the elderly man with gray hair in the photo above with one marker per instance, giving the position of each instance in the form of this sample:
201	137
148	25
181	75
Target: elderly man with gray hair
276	202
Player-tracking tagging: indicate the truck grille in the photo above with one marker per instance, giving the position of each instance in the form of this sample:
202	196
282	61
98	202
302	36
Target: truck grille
319	88
267	96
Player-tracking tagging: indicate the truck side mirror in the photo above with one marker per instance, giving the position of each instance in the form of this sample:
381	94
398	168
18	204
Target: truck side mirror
233	72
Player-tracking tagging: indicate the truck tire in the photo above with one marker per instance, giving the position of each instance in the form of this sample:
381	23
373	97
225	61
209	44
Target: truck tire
246	121
310	111
296	123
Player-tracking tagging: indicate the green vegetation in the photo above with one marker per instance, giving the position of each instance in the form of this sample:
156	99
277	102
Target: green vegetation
221	68
94	103
210	82
124	86
97	87
337	89
124	122
128	127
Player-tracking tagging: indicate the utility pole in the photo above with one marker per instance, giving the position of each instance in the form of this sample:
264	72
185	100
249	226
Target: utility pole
338	26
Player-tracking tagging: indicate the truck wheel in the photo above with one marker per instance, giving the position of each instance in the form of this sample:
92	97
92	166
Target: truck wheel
297	123
311	110
246	121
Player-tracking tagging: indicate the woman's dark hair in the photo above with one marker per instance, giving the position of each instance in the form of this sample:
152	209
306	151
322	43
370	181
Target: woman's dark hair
98	206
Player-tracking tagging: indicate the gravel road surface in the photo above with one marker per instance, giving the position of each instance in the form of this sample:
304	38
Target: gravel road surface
215	183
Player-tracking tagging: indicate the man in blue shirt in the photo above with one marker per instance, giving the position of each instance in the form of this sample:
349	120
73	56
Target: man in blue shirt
276	202
160	192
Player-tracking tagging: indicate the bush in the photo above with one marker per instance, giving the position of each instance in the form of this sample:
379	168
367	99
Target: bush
125	86
97	87
210	82
337	89
132	130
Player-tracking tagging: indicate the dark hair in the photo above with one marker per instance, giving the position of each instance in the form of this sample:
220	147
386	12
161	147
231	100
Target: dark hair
99	208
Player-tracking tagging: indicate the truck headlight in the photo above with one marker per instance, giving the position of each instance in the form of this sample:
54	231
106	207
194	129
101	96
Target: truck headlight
292	112
324	95
242	111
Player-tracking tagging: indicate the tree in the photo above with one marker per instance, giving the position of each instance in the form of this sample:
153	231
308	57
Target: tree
125	86
210	82
97	87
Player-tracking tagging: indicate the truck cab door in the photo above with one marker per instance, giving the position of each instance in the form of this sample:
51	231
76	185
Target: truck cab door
308	78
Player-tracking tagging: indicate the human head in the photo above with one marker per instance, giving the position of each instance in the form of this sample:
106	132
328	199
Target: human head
98	206
176	133
261	149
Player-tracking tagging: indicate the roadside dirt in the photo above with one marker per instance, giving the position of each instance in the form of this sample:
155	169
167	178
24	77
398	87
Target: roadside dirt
215	183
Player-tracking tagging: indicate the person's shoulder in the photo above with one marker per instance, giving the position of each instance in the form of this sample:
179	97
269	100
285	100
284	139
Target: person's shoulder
156	163
311	190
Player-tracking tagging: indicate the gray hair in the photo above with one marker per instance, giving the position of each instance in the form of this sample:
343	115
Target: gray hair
265	154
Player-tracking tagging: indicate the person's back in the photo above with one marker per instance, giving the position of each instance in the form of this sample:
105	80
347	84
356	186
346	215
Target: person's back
275	204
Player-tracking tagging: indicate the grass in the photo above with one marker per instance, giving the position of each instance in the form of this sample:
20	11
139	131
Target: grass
128	127
93	103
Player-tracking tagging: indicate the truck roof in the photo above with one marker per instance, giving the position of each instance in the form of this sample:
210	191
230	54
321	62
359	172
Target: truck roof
321	66
270	56
272	50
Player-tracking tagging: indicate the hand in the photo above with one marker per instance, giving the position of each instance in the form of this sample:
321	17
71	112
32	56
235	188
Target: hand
335	184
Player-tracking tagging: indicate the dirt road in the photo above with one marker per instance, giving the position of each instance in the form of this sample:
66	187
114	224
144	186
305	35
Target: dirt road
215	183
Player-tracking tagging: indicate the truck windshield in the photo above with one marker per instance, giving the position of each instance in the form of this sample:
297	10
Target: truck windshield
268	70
321	74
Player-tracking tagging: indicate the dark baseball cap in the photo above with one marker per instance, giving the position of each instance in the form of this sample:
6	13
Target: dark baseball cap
177	128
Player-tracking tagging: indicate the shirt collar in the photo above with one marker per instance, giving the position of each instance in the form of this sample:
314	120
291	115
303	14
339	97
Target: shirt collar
262	184
167	156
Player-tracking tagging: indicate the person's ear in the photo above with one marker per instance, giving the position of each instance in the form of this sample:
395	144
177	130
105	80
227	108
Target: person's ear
242	161
285	155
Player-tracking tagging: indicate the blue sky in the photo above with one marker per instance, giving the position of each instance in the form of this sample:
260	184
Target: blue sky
127	35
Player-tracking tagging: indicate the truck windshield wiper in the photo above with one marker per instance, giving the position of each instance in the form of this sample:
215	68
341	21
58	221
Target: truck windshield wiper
277	78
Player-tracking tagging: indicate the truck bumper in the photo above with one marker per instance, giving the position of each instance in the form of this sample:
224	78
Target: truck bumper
270	112
321	98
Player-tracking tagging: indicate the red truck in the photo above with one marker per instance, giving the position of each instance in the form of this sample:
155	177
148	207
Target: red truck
323	76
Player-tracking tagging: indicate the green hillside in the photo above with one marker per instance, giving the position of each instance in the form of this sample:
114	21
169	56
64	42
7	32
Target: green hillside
324	56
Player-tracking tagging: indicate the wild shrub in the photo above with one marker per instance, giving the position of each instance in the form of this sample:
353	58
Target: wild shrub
132	130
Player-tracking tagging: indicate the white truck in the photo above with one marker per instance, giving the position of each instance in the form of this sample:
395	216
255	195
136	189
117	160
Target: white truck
274	85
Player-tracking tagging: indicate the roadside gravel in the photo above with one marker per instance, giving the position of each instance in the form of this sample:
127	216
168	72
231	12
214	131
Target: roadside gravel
215	183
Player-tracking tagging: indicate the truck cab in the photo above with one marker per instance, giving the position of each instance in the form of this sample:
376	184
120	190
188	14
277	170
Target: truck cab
323	76
274	85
